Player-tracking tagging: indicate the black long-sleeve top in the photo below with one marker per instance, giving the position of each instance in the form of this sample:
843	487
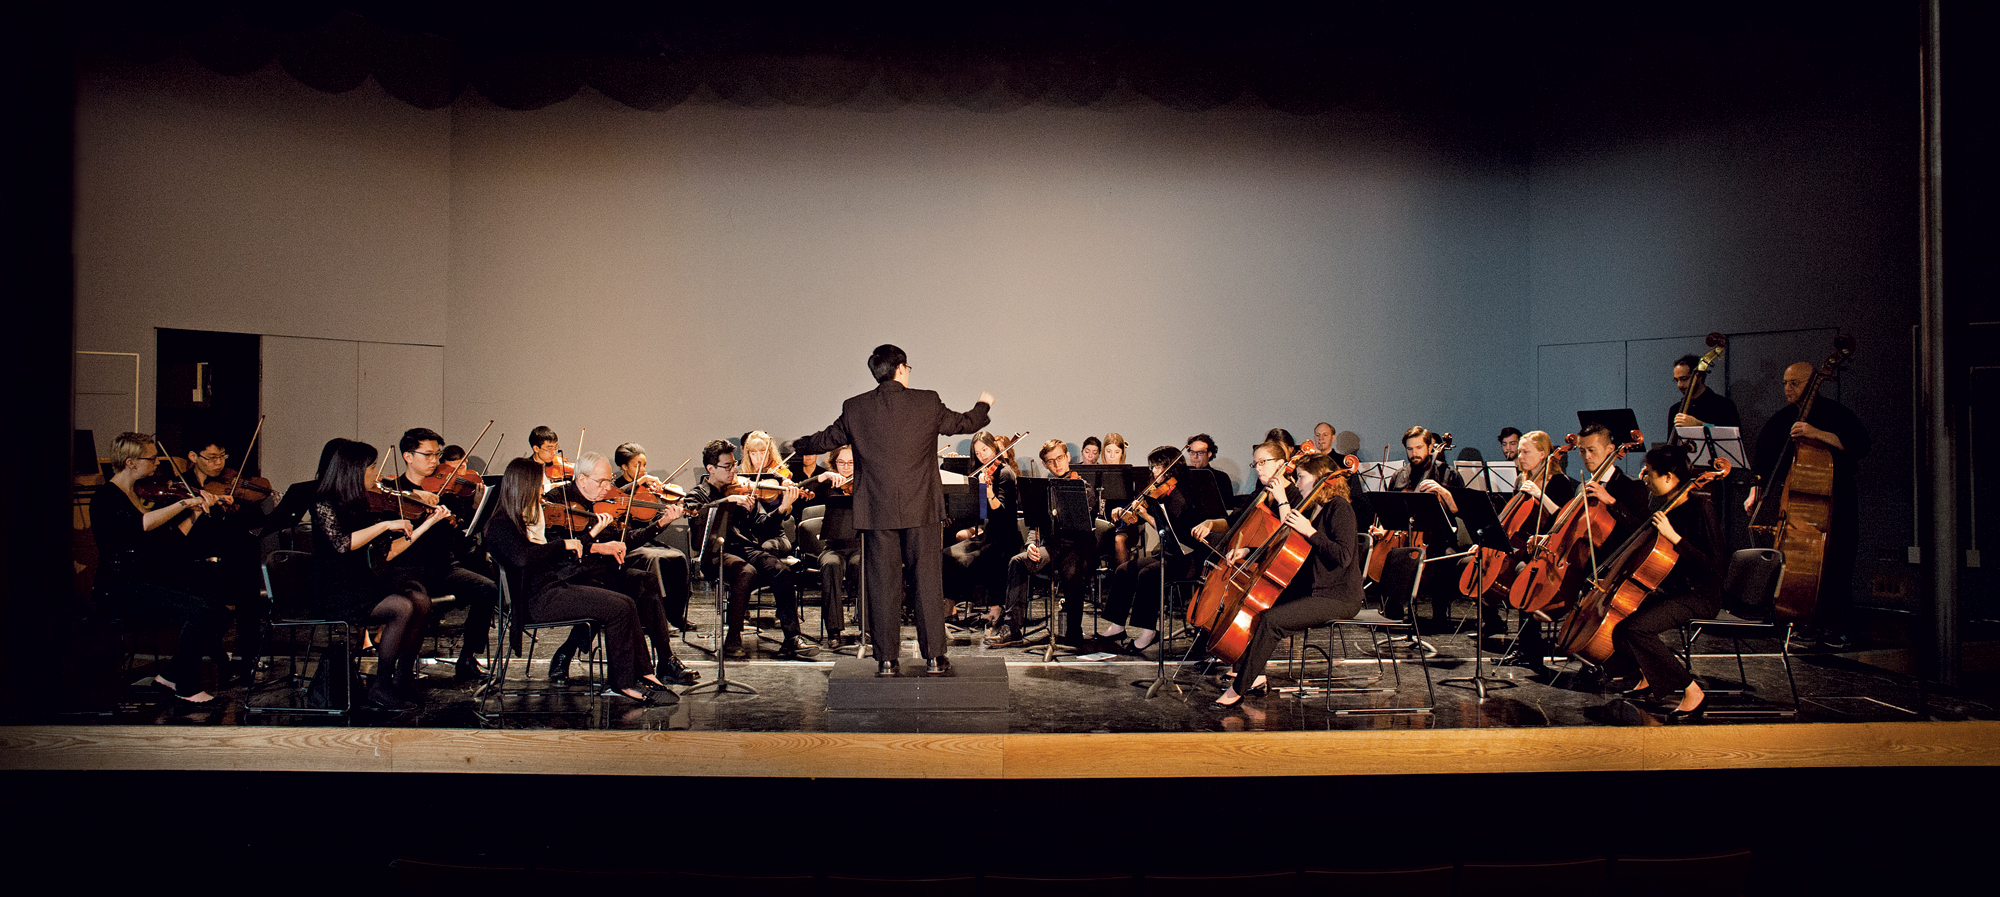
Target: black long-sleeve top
1711	408
126	552
337	566
748	529
1827	415
541	566
1336	566
1002	529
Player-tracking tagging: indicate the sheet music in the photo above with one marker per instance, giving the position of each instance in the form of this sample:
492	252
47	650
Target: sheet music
1375	475
1709	442
1479	475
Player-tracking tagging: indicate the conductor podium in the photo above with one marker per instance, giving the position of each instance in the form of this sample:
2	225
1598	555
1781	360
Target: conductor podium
974	683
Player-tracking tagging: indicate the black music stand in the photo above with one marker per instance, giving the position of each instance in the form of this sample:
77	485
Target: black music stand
1116	484
1399	511
1205	501
722	684
1487	532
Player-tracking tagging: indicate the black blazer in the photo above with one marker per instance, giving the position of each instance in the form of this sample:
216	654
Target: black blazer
894	431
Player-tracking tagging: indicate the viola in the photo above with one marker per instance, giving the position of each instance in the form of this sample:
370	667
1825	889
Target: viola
1545	584
394	504
161	489
642	504
1623	583
233	486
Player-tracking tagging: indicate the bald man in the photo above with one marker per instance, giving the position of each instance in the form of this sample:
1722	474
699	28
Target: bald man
1835	426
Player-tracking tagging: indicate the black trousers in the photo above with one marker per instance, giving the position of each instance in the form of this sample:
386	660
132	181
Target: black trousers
480	595
741	573
1134	598
893	556
1073	560
838	573
624	641
1279	623
981	571
202	622
1641	640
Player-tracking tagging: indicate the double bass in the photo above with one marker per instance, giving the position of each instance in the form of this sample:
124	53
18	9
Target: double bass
1717	344
1805	506
1236	593
1624	581
1538	588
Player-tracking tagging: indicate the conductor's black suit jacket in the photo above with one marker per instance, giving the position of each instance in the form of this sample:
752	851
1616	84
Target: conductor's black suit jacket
894	431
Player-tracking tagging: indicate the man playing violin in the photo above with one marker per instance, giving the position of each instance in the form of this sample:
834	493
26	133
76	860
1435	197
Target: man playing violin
436	562
546	449
749	546
670	563
1134	590
615	557
223	544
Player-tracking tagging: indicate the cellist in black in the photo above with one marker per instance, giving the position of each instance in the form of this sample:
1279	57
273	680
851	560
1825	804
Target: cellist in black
1691	590
1328	588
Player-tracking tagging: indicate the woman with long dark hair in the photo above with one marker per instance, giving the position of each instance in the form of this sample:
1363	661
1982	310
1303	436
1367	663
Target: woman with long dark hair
516	536
1692	589
346	586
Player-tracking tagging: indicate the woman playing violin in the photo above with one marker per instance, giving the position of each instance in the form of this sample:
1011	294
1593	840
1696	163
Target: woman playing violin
139	550
346	587
1134	597
980	555
1690	591
1328	588
552	577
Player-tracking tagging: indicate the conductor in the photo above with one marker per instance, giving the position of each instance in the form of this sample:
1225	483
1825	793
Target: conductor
899	499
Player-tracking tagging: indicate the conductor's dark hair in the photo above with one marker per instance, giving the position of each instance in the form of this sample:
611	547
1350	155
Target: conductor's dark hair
1687	361
1671	459
624	454
1509	431
714	451
415	437
540	435
1594	428
346	476
884	362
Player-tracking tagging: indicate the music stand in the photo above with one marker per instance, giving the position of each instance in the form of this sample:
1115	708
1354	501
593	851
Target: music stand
721	683
1397	511
1487	476
1487	532
1710	443
1205	502
1116	484
1375	475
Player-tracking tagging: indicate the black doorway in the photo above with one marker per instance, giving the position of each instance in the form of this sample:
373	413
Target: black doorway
208	390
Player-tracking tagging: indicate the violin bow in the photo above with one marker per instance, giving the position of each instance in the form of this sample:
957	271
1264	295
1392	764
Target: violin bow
998	455
240	468
468	456
177	468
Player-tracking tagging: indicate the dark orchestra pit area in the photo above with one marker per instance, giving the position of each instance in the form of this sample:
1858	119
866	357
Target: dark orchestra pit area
1071	694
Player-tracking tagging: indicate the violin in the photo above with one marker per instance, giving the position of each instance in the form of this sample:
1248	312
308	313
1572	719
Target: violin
1130	514
232	486
568	515
766	487
642	504
395	504
452	478
559	469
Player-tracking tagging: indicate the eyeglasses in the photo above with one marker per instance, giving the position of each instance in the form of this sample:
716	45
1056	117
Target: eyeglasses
1260	462
1202	452
214	458
418	454
727	465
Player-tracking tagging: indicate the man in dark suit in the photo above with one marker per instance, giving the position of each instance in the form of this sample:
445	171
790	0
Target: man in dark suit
899	499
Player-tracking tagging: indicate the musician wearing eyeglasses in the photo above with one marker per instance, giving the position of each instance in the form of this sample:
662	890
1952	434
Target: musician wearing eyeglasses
610	562
438	562
1200	454
746	538
669	564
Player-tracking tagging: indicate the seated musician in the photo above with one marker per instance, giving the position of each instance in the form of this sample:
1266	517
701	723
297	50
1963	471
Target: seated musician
1326	589
224	543
839	564
346	584
1073	554
546	449
1692	590
1093	449
979	555
1427	471
1133	597
1549	485
1201	453
1115	449
1322	441
1511	440
140	560
752	546
439	562
610	563
555	581
669	564
1283	437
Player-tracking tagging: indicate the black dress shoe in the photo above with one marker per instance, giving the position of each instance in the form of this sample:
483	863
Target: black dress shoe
885	668
673	673
1691	715
937	666
559	669
1641	695
796	649
732	648
469	670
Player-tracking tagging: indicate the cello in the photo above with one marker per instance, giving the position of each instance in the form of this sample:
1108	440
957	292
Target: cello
1390	540
1517	520
1625	580
1236	593
1538	588
1805	506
